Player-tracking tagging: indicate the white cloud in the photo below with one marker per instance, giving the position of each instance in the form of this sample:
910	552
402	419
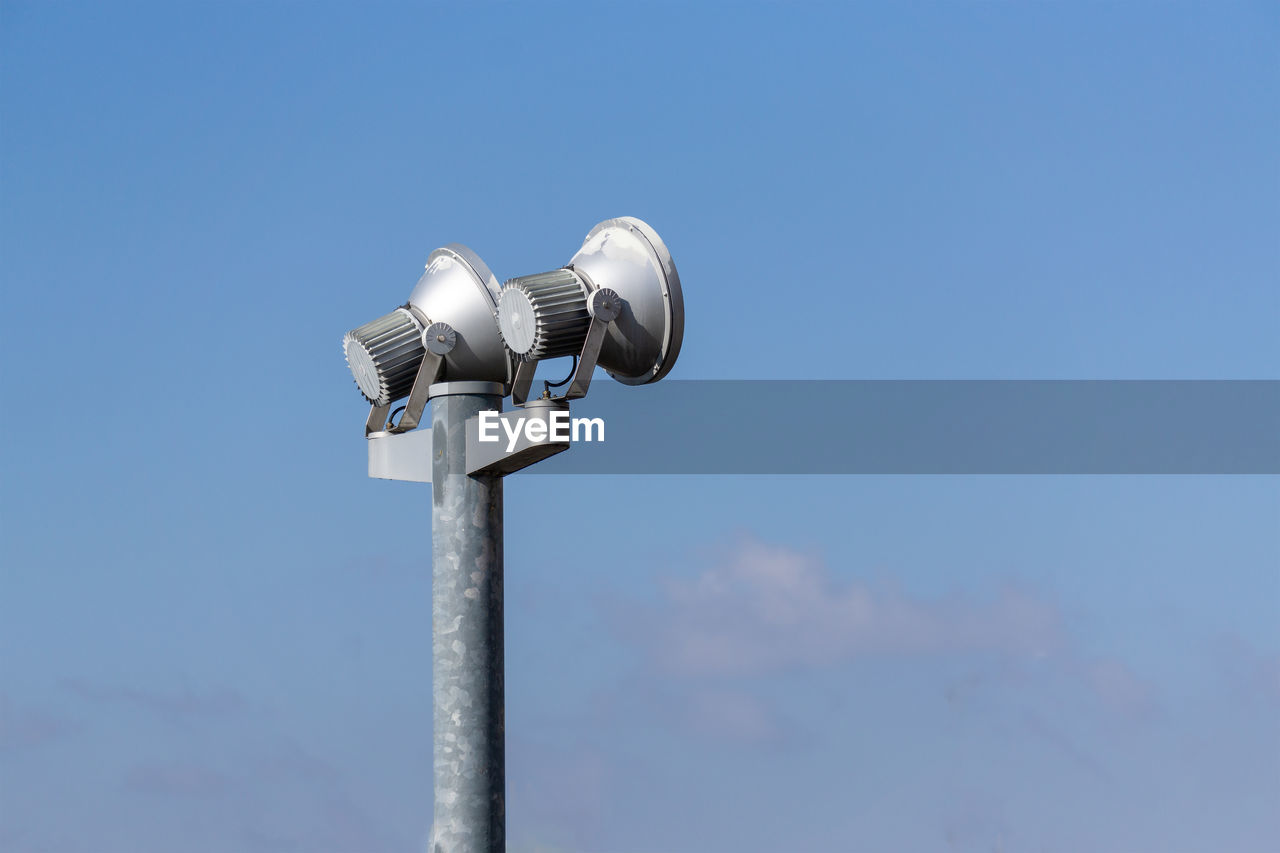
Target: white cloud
1119	687
175	705
767	608
184	778
732	715
28	727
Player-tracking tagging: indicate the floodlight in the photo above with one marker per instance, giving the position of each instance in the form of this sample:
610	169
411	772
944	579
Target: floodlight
617	304
465	343
447	330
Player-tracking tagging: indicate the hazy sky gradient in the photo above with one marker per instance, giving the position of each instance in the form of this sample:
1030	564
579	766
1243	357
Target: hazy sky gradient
215	630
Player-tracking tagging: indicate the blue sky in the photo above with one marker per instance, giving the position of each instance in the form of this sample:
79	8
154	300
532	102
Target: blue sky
214	629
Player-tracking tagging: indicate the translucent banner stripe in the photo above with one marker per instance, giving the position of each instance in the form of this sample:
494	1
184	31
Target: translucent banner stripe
929	427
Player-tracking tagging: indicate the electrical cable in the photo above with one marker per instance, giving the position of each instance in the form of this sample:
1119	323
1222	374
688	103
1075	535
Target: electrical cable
572	370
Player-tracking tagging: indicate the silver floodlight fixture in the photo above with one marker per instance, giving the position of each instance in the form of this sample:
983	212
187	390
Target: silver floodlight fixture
446	331
617	304
464	343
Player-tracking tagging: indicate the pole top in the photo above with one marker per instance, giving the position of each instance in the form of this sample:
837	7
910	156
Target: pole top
445	389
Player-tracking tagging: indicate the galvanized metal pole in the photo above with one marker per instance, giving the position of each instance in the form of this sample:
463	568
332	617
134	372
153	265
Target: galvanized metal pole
466	631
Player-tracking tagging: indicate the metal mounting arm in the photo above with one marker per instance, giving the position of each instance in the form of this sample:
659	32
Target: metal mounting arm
377	420
522	382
